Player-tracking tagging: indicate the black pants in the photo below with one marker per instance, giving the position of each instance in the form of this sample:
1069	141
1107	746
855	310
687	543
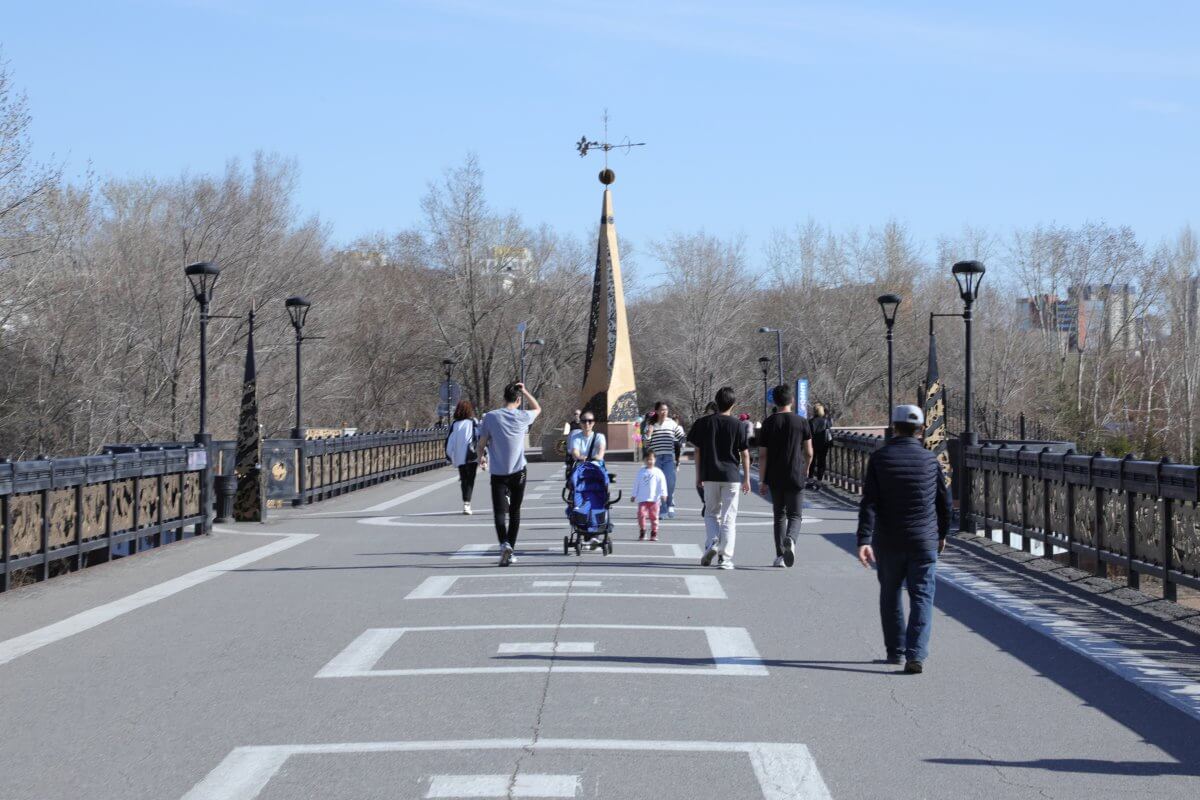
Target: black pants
787	505
466	479
817	470
508	492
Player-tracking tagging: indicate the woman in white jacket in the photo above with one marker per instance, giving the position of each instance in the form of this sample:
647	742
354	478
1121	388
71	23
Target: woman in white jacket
462	449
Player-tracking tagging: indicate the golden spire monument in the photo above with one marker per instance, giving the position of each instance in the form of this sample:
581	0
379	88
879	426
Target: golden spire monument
608	390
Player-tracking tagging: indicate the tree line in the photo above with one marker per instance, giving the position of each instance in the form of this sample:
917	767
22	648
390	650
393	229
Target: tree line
98	332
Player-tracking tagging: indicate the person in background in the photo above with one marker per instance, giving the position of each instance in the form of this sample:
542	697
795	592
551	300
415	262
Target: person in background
784	454
502	444
822	437
462	449
711	408
903	522
649	489
722	462
666	438
574	423
587	444
748	425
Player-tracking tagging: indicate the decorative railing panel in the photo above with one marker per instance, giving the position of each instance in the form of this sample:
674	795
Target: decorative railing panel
64	514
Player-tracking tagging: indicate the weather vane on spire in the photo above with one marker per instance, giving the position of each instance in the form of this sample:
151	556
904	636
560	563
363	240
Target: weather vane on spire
584	144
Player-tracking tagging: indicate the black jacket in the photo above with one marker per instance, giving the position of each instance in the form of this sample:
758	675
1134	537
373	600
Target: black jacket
906	502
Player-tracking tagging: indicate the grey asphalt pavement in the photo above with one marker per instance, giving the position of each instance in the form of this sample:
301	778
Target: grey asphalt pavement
369	647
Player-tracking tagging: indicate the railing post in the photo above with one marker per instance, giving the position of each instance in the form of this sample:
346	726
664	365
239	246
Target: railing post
108	507
1132	578
5	538
1026	542
79	520
1099	496
1069	492
1167	534
301	473
45	567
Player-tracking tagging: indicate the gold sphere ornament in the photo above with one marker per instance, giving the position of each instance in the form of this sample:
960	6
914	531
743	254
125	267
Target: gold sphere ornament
607	176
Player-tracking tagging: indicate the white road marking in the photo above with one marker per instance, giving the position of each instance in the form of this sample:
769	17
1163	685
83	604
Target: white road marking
784	771
542	525
18	646
549	547
1138	668
732	651
705	587
413	495
544	648
462	786
566	584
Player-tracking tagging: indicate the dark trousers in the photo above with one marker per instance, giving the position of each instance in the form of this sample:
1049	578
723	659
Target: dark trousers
466	479
816	470
508	492
787	505
916	571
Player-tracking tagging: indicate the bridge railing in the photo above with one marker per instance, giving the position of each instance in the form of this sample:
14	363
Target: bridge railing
1141	517
62	514
307	471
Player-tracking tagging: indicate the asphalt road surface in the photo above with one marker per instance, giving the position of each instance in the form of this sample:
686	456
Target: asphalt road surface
369	647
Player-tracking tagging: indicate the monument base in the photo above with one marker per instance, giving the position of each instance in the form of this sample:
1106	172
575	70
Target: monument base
620	435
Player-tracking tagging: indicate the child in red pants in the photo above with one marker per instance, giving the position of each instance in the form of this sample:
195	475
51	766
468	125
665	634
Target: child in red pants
649	489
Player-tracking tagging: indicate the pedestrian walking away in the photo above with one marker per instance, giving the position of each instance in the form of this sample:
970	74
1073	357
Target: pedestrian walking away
722	463
462	448
649	490
903	521
502	450
785	451
666	437
710	408
822	438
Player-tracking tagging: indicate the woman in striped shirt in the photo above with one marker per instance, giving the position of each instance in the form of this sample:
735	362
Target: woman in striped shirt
664	437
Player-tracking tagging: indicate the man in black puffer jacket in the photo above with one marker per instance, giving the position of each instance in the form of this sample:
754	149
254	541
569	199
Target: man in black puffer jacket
903	522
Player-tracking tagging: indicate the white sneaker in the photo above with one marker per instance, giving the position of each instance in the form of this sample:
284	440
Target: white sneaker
506	555
778	562
467	509
708	556
725	563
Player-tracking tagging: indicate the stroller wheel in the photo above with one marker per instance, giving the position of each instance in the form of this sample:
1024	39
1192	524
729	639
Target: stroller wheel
578	548
566	545
608	548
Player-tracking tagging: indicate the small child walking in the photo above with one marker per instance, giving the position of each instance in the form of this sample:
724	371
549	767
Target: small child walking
649	489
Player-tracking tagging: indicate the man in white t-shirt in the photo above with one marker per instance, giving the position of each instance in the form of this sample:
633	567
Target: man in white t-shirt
502	446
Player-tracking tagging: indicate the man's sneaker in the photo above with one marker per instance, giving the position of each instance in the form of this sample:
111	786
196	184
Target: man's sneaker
506	555
708	556
654	536
778	562
895	660
671	512
725	563
467	509
914	667
641	535
789	551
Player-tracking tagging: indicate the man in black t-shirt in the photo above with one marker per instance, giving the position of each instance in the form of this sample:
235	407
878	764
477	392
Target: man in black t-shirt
722	462
785	450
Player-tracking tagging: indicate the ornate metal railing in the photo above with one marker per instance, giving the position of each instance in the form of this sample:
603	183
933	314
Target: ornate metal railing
306	471
1140	517
58	515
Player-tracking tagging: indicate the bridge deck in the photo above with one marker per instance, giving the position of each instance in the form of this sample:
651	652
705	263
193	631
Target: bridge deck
368	647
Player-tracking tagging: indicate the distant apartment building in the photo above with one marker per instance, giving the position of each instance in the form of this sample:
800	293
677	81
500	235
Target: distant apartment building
509	264
1093	315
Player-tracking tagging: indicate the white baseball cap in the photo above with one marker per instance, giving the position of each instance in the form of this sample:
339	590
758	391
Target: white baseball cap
910	414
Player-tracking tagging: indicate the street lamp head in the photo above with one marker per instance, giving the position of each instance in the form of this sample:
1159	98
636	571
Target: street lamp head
297	308
889	303
968	275
538	342
765	329
203	277
763	361
448	362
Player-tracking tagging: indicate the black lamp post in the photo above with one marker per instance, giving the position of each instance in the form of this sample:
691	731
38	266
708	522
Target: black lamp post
889	304
524	347
297	309
202	276
764	363
778	349
968	275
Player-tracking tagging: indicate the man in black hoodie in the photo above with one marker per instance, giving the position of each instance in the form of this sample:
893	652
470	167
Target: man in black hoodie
903	522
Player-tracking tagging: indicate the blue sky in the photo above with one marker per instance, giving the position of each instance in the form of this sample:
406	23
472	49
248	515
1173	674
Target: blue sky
757	115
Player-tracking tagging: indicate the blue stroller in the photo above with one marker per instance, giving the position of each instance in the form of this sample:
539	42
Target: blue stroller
588	504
